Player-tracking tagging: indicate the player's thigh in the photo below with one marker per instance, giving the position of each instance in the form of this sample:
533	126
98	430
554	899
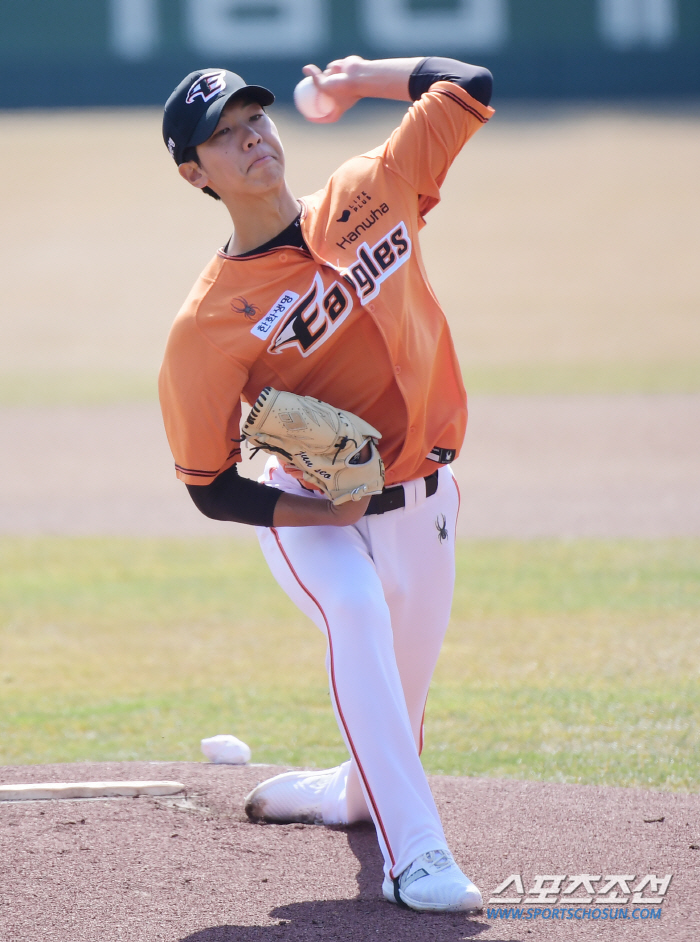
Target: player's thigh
416	563
328	574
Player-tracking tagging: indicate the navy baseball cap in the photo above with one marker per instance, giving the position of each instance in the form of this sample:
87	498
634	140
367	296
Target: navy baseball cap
194	108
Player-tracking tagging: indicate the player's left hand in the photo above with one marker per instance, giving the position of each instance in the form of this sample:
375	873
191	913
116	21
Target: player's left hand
340	80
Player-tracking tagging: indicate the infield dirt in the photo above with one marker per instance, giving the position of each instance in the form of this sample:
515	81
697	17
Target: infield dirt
159	870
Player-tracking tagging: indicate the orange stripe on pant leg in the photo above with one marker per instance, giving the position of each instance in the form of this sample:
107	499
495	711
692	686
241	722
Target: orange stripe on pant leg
459	496
422	724
335	691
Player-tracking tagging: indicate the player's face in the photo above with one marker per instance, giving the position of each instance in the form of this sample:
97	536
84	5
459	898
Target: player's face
244	155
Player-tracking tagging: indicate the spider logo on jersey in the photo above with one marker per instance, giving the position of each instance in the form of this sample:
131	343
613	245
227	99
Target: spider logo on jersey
374	265
307	322
248	310
441	527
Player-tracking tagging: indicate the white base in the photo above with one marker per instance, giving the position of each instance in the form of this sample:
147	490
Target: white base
88	790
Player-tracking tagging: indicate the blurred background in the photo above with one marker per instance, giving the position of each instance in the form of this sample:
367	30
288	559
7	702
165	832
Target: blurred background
565	253
129	52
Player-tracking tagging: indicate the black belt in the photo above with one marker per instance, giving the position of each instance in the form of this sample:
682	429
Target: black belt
391	498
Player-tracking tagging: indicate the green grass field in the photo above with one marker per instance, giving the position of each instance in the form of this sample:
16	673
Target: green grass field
565	661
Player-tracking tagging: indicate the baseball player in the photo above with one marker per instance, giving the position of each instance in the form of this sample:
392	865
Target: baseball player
327	296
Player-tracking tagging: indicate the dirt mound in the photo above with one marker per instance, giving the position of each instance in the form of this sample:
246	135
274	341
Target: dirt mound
193	869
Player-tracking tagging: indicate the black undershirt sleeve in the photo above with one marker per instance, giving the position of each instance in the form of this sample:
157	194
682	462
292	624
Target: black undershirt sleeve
474	79
240	500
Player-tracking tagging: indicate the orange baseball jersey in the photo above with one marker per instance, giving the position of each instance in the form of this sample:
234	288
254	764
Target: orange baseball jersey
353	321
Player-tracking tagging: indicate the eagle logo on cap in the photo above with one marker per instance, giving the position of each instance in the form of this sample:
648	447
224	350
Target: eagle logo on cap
207	87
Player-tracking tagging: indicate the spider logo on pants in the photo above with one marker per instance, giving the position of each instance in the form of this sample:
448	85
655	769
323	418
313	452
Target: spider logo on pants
441	527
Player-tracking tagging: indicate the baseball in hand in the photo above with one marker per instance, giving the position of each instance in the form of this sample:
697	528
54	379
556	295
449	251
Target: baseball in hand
312	103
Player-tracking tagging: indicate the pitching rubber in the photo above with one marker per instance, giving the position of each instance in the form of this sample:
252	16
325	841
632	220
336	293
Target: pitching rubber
42	792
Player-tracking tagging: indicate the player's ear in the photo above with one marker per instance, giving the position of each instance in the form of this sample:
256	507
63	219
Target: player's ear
193	173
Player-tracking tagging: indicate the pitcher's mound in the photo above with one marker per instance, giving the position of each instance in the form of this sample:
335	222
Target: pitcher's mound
192	868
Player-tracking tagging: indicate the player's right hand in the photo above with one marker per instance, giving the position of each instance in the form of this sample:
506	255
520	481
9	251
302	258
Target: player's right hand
352	511
295	510
340	80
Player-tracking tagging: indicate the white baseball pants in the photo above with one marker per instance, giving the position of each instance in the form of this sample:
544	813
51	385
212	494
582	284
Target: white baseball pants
381	592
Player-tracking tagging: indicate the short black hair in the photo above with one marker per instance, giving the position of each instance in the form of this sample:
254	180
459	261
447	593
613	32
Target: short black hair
190	153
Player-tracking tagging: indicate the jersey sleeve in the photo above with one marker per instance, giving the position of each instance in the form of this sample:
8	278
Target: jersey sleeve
199	387
432	133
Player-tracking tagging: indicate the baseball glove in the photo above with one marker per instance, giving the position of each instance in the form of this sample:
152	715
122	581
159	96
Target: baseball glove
323	442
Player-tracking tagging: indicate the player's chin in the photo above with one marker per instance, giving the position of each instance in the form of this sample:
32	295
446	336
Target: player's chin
268	163
269	173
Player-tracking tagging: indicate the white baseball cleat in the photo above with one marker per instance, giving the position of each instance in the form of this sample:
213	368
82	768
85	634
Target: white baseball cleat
293	797
434	883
